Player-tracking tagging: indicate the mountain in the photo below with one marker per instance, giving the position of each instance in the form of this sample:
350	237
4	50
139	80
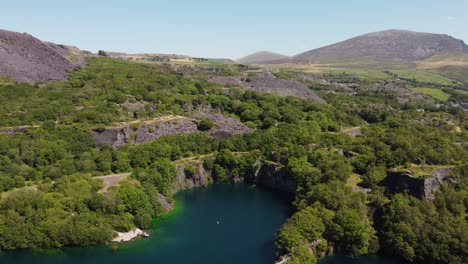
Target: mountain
27	59
390	46
262	57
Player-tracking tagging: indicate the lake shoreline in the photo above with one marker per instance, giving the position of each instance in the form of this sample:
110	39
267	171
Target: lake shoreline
129	236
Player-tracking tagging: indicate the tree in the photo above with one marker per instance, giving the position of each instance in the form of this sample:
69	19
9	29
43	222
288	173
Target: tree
104	160
102	53
353	232
374	176
302	228
142	220
302	255
121	162
135	200
304	173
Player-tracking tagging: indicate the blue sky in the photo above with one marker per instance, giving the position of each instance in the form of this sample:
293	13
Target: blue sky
228	29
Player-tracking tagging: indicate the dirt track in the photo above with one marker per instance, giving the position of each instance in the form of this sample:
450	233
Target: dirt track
111	180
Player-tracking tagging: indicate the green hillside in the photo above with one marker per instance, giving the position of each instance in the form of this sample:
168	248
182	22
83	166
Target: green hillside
49	153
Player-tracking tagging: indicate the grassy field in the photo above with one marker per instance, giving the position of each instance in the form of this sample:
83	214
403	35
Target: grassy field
454	72
458	59
435	93
426	170
422	170
404	71
423	76
332	69
453	65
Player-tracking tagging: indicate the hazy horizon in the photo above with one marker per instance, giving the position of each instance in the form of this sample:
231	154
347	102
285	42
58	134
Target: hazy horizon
225	30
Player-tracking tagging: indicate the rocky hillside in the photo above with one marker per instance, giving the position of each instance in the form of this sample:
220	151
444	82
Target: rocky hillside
262	57
141	132
267	82
27	59
384	46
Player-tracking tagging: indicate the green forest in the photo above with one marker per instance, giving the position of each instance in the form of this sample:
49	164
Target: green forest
49	198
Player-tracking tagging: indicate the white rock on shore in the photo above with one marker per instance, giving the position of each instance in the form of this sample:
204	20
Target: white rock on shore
128	236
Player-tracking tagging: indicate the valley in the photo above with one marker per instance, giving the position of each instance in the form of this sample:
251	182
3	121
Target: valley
366	150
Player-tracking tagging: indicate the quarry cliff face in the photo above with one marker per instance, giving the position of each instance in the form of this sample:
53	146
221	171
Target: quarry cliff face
267	174
420	187
188	179
273	176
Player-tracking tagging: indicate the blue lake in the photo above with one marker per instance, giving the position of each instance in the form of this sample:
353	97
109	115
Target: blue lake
222	223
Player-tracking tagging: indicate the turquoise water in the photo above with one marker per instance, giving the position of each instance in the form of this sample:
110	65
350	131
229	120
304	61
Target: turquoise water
248	219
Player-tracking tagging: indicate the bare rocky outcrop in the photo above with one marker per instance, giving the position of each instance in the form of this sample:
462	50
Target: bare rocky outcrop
71	53
420	187
147	131
352	132
165	203
194	177
114	137
27	59
433	183
14	130
268	83
191	173
129	236
273	176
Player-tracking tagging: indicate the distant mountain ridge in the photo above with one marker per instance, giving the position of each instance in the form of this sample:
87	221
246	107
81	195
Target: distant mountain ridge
27	59
262	57
384	46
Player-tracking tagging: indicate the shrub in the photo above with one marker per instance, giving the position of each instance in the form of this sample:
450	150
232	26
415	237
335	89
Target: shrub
205	124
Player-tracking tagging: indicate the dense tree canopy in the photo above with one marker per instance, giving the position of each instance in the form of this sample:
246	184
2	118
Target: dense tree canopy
50	200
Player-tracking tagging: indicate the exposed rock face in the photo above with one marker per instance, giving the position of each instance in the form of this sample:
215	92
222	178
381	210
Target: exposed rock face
433	183
352	132
270	84
273	176
187	180
168	206
14	130
178	126
267	174
384	46
27	59
114	137
151	130
361	189
71	53
421	187
224	126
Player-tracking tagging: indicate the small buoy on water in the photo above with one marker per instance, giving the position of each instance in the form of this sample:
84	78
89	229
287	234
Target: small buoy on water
217	222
